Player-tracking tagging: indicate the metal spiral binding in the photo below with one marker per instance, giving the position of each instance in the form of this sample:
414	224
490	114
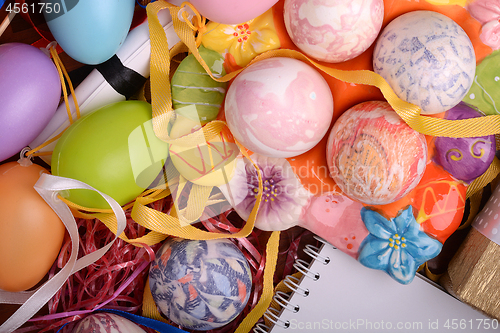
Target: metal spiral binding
292	282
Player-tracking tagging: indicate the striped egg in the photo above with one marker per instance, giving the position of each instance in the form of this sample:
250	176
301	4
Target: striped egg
195	95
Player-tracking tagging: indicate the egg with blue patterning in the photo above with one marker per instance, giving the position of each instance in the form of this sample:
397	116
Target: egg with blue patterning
89	31
427	59
30	90
32	233
200	285
113	149
465	158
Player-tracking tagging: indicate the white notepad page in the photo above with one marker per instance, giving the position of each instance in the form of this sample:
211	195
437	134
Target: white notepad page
349	297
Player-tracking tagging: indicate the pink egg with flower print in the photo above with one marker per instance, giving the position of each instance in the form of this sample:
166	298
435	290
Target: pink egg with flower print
279	107
333	30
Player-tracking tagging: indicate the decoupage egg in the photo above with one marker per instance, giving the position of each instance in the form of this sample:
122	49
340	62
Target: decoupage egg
103	322
195	95
32	233
30	90
114	149
427	59
200	285
90	31
333	31
465	158
373	155
232	11
279	107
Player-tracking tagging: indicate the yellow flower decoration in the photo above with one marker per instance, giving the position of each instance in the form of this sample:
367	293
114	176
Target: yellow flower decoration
242	42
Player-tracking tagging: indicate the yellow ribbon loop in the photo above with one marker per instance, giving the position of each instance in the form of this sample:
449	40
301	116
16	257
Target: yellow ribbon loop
107	216
161	96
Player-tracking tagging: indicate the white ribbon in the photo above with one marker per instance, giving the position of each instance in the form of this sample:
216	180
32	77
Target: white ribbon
48	186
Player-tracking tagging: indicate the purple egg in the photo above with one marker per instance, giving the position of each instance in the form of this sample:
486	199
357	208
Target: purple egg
465	158
30	90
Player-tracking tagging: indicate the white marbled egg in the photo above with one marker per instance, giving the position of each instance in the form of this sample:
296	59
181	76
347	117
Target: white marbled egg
333	31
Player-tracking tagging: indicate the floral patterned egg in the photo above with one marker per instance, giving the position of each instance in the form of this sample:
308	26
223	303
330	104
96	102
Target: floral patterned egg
200	285
373	155
427	59
333	31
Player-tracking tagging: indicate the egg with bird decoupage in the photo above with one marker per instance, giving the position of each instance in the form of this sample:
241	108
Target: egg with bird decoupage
32	233
200	284
89	31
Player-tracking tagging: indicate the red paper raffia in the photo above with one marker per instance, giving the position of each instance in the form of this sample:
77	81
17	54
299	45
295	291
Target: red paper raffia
97	283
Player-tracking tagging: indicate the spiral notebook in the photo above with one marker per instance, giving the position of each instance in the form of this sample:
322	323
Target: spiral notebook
338	294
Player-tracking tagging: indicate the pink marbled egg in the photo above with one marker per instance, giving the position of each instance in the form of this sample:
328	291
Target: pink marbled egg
333	31
279	107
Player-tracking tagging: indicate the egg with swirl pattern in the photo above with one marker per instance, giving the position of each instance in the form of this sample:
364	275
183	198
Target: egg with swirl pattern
465	158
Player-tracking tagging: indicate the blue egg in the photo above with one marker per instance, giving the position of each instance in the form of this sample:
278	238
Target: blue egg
89	31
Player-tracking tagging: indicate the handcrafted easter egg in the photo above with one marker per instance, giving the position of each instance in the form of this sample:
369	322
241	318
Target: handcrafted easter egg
333	31
113	149
209	164
195	95
427	59
232	11
32	233
89	31
30	90
279	107
465	158
103	322
373	155
484	93
200	285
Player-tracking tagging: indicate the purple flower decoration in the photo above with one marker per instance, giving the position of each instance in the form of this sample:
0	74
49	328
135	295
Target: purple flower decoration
396	246
283	198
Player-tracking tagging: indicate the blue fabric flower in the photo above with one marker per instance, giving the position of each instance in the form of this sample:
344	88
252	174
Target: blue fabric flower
396	246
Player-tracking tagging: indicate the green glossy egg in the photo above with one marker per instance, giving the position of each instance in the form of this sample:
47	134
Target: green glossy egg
114	149
195	95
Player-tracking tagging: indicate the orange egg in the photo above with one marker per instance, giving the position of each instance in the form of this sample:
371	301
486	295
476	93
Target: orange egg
31	231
